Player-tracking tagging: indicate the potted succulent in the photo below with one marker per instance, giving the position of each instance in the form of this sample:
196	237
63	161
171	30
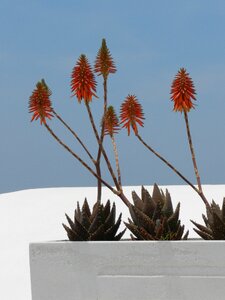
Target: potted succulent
157	262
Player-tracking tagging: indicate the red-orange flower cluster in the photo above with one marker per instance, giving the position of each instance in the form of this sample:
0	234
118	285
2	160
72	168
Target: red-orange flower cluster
83	84
182	91
131	113
104	63
111	122
40	103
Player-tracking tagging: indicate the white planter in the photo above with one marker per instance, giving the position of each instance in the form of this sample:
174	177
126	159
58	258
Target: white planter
140	270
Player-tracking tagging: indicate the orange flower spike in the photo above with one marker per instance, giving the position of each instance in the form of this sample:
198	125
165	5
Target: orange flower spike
40	103
83	84
104	63
111	122
183	91
131	114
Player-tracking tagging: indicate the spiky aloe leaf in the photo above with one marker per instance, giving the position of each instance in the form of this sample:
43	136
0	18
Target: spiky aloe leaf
85	215
167	209
157	195
119	235
86	208
173	219
113	229
186	235
77	213
223	210
135	230
160	229
179	232
157	212
205	220
97	234
94	211
146	235
142	219
81	230
98	219
137	200
106	209
202	228
110	219
145	196
216	208
72	225
149	205
72	235
203	234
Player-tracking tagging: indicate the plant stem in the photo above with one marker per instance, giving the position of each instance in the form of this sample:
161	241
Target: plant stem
92	121
99	183
192	152
97	163
116	192
102	148
176	171
98	169
117	160
194	161
103	122
74	134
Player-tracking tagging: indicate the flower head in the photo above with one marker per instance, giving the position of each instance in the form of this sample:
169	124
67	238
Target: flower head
104	63
111	122
182	91
131	113
83	84
40	103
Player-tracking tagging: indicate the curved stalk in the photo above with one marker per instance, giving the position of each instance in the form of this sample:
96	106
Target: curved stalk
175	170
74	134
104	113
192	152
116	192
117	160
101	139
102	148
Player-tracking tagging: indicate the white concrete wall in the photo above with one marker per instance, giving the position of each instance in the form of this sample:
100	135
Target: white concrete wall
178	270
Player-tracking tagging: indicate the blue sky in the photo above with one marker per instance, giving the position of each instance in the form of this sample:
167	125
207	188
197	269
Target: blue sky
149	41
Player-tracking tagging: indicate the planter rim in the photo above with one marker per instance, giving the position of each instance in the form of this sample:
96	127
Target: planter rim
127	242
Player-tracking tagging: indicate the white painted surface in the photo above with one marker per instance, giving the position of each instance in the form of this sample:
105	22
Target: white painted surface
127	270
36	215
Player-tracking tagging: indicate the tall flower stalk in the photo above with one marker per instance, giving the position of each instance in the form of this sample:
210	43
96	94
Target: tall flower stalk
192	152
83	86
74	134
104	65
111	127
182	94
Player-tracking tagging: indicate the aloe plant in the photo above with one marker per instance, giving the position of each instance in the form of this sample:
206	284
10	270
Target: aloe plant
214	220
153	217
98	224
